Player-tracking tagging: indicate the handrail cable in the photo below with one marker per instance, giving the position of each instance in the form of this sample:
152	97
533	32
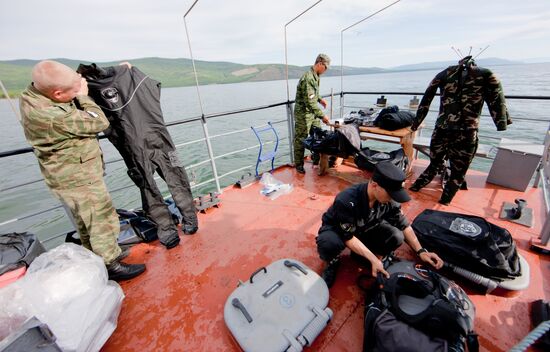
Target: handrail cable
112	161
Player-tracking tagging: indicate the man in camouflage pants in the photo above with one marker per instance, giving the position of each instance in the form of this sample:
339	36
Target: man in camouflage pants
463	90
60	121
306	110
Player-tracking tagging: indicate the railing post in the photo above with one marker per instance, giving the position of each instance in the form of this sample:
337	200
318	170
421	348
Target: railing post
210	153
545	233
342	104
545	172
290	125
203	118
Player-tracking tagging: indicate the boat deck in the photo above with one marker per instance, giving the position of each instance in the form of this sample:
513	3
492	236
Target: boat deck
177	304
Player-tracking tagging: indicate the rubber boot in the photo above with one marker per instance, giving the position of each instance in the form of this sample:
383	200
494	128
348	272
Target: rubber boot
169	238
323	165
419	184
315	157
448	193
329	274
190	229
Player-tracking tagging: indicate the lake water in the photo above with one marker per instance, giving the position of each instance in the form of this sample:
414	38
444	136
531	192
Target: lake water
183	103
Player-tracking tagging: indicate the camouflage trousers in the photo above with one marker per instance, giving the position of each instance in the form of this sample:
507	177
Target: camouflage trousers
459	147
302	126
94	216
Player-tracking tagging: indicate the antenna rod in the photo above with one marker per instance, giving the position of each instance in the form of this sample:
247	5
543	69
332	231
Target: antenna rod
456	52
470	52
9	100
481	51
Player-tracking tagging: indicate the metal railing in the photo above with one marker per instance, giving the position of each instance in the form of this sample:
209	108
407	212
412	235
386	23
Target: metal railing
211	158
544	170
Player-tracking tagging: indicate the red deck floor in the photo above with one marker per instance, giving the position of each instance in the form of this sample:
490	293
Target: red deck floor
177	304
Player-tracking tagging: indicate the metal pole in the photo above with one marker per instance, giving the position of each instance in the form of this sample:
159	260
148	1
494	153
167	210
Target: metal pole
342	53
342	74
290	126
11	103
286	50
203	118
289	107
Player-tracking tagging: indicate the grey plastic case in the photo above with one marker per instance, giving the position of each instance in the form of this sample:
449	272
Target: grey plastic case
282	307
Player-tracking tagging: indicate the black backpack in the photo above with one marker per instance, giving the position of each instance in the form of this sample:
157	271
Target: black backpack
392	119
470	242
426	301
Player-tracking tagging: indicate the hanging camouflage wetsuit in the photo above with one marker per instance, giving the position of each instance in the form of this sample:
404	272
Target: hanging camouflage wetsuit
463	90
131	102
306	112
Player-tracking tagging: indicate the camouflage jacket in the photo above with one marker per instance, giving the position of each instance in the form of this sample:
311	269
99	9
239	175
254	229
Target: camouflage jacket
64	138
307	95
462	97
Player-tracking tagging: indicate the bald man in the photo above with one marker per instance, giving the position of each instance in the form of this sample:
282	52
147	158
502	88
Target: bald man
61	122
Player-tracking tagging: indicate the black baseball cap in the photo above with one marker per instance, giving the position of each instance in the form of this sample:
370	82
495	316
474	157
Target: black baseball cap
391	179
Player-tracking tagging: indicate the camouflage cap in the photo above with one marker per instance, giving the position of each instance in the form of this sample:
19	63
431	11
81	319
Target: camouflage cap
324	59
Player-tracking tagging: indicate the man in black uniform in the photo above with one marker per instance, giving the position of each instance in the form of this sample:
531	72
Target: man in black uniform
367	219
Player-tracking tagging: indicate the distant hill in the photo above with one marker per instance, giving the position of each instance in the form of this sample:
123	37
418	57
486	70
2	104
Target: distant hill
436	65
15	74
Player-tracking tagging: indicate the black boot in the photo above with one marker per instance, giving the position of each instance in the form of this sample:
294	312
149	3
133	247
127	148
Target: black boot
119	271
419	184
329	274
315	157
448	193
190	229
300	169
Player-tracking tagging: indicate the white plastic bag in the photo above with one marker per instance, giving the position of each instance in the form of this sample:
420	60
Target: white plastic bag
274	188
67	289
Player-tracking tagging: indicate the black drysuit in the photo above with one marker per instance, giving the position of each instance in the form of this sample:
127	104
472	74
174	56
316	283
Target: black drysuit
131	102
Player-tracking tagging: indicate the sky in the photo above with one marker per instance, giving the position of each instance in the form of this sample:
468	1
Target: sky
252	31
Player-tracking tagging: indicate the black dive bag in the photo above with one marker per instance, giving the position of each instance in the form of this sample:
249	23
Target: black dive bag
419	310
328	142
469	242
368	158
392	119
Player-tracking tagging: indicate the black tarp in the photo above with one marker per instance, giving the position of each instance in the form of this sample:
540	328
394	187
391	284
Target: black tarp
18	249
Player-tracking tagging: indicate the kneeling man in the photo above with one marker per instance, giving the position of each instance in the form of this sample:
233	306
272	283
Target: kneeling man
367	219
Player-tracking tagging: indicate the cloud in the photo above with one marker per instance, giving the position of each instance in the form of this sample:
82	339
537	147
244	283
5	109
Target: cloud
252	31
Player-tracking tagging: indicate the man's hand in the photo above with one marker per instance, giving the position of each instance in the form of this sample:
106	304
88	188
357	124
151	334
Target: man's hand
323	102
83	87
378	267
432	258
326	120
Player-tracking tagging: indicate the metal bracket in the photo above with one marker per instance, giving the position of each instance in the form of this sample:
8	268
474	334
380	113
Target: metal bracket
202	203
509	211
246	180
